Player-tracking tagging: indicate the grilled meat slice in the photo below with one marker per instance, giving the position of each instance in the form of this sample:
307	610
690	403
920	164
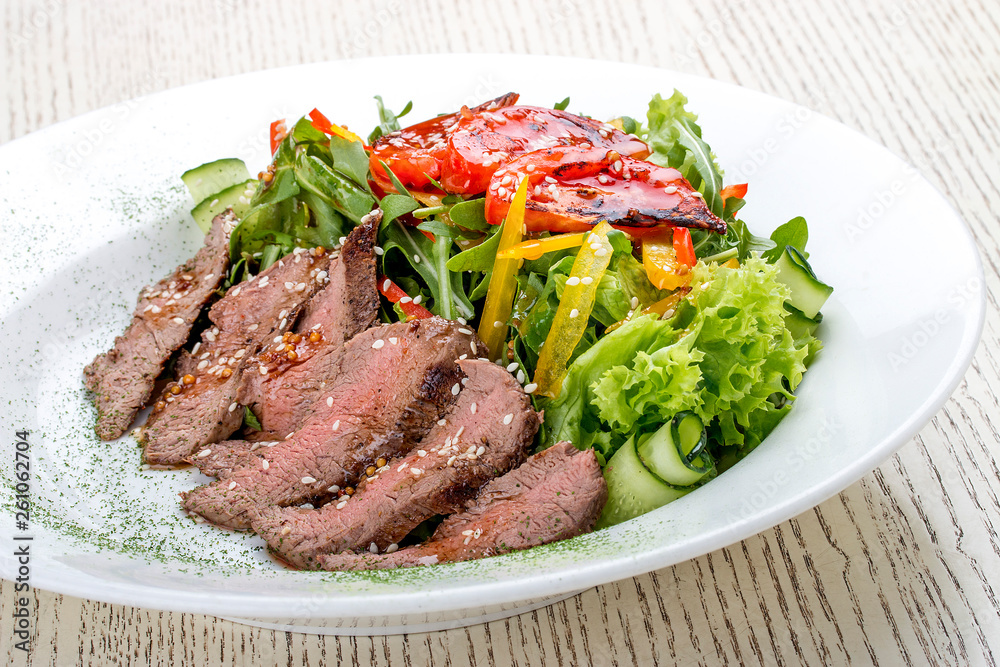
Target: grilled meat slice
556	494
394	382
485	433
287	381
122	379
201	406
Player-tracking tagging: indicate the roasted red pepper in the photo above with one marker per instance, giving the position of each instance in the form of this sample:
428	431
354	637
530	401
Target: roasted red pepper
395	294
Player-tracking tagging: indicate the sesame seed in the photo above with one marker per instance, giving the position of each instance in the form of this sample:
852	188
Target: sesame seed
253	327
416	259
232	485
386	284
377	345
289	285
289	436
455	389
586	281
458	434
405	299
530	388
601	253
329	401
480	450
421	453
473	408
262	369
635	302
203	453
465	381
670	189
418	298
392	548
308	480
333	489
573	281
697	194
705	285
373	548
416	472
336	425
265	464
379	251
402	466
462	356
451	461
467	532
341	504
178	320
467	332
233	406
148	308
468	539
300	287
393	340
497	324
511	367
239	354
573	314
286	530
520	376
342	239
202	365
442	422
476	535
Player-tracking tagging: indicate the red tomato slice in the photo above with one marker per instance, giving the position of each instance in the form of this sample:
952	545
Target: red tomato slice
481	143
419	151
574	189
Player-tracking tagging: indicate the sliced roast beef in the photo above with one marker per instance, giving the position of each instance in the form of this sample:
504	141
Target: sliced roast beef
394	382
556	494
292	372
485	433
221	458
122	379
201	406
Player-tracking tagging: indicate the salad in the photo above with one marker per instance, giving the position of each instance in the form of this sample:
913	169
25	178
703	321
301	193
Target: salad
604	264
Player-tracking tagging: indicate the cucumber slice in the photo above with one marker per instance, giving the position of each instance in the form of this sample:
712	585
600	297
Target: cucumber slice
809	293
798	324
632	489
214	177
215	204
675	453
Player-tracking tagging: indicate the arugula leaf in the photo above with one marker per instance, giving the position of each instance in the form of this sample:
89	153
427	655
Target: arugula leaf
250	419
477	258
394	205
561	106
313	175
675	137
429	261
795	233
388	121
470	214
350	159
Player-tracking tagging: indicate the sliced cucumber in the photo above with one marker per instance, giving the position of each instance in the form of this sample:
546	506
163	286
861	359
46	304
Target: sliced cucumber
216	203
798	324
675	453
632	489
809	293
213	177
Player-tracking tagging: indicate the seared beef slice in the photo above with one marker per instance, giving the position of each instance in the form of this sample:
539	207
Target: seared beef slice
556	494
395	381
287	375
201	407
485	433
122	379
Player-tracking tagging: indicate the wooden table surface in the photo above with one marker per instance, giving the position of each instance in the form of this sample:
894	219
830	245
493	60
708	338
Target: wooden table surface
901	567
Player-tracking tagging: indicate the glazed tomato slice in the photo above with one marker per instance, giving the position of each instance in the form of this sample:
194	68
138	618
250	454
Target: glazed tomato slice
573	189
419	151
483	142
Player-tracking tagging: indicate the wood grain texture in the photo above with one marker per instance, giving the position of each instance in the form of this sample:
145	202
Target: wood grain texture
901	568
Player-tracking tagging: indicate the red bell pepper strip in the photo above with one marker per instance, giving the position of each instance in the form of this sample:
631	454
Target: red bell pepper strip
323	124
738	191
395	294
684	247
278	134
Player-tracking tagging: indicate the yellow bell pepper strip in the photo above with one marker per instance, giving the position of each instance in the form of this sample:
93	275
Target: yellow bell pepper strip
534	249
573	313
503	281
662	266
732	264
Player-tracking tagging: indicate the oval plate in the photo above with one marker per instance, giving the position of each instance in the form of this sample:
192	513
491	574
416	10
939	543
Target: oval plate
94	209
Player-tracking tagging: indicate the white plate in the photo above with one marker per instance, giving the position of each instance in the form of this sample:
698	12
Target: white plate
93	210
